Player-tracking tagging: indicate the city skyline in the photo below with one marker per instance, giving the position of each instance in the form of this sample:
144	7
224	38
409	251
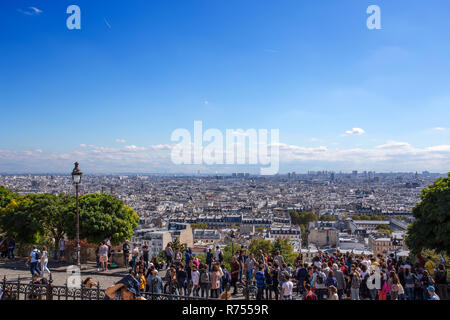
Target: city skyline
110	94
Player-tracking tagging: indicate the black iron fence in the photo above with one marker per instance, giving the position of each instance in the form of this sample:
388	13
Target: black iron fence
20	290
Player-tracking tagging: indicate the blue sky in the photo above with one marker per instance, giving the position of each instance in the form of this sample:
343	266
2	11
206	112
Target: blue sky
137	70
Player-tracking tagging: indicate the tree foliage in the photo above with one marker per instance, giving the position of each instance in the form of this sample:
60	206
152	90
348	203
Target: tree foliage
20	219
6	196
102	216
199	225
303	218
37	217
431	228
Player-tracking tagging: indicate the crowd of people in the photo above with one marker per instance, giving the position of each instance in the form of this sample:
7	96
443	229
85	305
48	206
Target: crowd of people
330	276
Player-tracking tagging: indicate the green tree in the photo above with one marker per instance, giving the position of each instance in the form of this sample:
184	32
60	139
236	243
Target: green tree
384	229
431	228
102	216
327	218
256	245
199	225
51	211
285	248
20	219
6	196
303	218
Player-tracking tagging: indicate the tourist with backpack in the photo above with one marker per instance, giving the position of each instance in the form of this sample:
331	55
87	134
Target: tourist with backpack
33	261
205	280
219	255
226	278
319	285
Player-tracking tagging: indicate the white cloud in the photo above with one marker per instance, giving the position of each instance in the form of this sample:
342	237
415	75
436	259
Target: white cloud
121	140
439	129
390	156
354	132
30	11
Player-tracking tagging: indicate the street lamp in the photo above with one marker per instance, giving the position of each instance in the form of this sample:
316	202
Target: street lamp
76	177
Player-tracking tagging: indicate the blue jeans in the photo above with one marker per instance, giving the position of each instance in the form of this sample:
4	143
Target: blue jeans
10	253
409	293
34	268
355	293
204	288
133	263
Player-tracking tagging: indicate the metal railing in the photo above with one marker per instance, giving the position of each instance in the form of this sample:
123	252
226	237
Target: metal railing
20	290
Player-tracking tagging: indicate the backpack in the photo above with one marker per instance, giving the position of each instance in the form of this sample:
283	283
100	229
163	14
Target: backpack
37	255
320	278
227	276
204	277
220	256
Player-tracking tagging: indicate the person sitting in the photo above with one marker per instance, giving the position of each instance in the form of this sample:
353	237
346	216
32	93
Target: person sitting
127	288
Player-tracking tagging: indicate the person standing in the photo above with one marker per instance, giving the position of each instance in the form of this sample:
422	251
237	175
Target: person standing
286	289
339	275
145	254
103	252
440	279
126	253
62	249
134	257
209	259
219	255
169	254
216	275
355	283
33	261
235	272
11	245
195	276
260	281
44	261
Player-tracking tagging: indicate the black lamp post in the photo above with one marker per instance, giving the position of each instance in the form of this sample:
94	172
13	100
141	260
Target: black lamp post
76	177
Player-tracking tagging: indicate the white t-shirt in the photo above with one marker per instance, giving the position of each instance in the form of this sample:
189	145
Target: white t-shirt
33	255
217	254
195	277
288	286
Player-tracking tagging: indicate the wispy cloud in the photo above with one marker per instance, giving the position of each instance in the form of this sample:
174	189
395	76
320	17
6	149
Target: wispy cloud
107	23
354	132
121	140
30	11
390	156
439	129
